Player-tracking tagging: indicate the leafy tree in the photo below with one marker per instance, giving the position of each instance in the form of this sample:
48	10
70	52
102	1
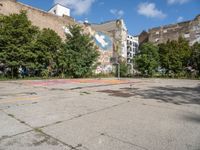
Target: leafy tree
195	57
46	49
147	61
16	36
123	69
174	55
79	54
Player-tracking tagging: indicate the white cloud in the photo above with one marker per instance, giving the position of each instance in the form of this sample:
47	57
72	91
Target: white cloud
79	7
150	10
177	1
117	13
180	19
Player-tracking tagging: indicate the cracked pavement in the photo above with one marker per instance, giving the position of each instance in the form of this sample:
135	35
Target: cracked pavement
100	114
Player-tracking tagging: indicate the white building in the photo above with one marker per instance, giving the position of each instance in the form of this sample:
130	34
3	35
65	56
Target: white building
60	10
132	48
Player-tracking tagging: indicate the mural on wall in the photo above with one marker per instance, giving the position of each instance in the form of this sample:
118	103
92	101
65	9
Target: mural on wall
103	41
105	47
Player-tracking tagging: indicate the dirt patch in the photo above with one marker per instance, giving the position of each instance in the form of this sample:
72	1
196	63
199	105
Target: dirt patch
117	93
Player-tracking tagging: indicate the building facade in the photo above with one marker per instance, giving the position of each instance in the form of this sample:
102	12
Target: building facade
132	48
190	30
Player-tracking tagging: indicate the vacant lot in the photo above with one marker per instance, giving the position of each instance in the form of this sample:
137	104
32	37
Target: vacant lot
106	114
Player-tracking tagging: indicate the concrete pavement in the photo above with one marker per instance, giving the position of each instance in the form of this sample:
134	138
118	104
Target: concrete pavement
104	114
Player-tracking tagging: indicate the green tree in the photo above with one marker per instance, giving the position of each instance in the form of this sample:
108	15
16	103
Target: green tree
195	57
123	69
46	49
174	55
147	61
16	36
79	54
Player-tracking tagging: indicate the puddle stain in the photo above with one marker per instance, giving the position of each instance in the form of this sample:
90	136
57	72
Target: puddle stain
117	93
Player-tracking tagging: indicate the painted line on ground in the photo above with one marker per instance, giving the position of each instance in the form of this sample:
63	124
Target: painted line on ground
18	99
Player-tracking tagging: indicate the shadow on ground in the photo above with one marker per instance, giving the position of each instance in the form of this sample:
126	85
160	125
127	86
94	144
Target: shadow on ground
168	94
192	117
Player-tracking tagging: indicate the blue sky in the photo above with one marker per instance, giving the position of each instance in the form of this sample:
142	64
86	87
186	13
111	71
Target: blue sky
138	15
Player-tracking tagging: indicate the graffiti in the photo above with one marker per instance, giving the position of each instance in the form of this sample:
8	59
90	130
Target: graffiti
103	41
104	69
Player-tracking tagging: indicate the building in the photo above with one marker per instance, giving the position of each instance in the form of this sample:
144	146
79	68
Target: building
118	31
190	30
60	10
143	37
132	48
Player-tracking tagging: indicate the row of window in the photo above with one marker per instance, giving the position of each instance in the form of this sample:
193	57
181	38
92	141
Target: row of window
132	43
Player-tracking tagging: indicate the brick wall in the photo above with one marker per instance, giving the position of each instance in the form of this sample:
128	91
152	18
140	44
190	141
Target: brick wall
38	17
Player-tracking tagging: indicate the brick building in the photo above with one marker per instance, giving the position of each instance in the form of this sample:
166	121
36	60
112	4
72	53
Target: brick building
190	30
38	17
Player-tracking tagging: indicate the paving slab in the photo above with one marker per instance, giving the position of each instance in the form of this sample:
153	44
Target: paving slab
91	114
156	128
10	126
104	142
31	141
61	108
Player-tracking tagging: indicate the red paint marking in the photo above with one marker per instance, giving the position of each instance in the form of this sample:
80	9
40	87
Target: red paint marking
65	81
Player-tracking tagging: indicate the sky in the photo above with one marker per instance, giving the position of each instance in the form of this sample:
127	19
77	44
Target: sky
138	15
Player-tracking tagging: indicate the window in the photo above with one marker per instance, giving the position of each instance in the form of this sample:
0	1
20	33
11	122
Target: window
157	32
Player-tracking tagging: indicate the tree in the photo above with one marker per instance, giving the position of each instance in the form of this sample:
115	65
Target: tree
79	54
174	55
123	69
147	61
46	48
17	34
195	57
